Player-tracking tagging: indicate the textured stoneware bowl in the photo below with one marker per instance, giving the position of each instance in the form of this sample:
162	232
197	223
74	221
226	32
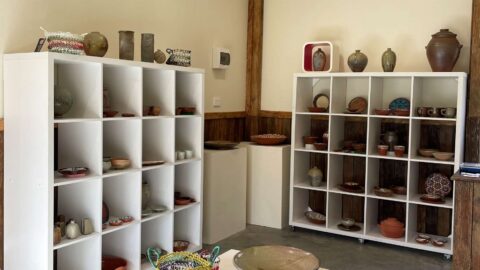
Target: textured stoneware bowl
443	155
120	163
380	111
427	152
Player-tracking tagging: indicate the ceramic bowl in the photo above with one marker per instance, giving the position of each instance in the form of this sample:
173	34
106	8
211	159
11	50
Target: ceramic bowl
109	113
383	192
443	155
422	241
74	172
348	222
348	145
426	152
127	114
268	139
438	242
401	112
424	236
120	163
317	109
431	198
381	111
321	146
315	217
310	139
154	110
183	200
180	245
359	147
400	190
107	164
382	149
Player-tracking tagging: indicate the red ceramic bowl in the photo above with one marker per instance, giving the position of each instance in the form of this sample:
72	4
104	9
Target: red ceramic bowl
317	109
402	112
382	111
321	146
310	139
109	113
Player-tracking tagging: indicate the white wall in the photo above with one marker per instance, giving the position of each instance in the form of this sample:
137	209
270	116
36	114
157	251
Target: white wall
370	25
190	24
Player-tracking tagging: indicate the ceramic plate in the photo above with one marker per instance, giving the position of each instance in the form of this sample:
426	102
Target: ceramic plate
438	184
158	208
275	258
74	172
220	145
357	105
353	228
147	212
152	162
348	188
399	103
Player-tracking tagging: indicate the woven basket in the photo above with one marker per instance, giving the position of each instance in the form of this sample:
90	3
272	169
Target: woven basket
183	261
64	42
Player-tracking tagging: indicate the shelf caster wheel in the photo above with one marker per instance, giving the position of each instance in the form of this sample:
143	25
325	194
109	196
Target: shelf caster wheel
292	228
362	241
447	257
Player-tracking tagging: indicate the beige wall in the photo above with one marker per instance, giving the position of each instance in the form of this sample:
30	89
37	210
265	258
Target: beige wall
370	25
191	24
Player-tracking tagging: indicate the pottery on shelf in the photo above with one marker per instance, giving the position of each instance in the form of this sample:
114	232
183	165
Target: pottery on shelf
348	222
87	226
319	60
357	61
120	163
448	112
316	218
389	59
444	156
57	234
95	44
180	245
63	101
107	164
316	176
382	149
427	152
390	138
159	57
147	47
443	51
310	139
105	213
321	146
146	195
72	230
392	228
126	45
381	111
399	150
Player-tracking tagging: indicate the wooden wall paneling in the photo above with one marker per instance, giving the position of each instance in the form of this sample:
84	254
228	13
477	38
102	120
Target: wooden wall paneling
317	201
353	207
1	194
229	126
476	226
254	66
392	173
388	209
463	226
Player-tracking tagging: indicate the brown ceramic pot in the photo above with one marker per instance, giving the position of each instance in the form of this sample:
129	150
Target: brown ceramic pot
392	228
443	50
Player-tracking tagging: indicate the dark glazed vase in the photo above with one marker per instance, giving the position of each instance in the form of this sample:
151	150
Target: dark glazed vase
126	45
389	59
319	60
357	61
95	44
147	47
443	51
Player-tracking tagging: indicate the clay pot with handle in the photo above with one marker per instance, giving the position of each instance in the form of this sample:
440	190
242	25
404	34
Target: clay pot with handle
443	51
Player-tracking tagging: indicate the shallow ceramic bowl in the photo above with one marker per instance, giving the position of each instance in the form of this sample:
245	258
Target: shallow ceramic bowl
359	147
183	200
268	139
321	146
427	152
351	184
74	172
110	113
315	217
317	109
154	110
180	245
443	155
383	192
310	139
348	222
120	163
400	190
438	243
380	111
401	112
128	114
424	236
422	241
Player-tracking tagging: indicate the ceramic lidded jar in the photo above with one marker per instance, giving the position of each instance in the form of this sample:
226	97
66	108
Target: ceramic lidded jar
392	228
72	229
357	61
319	60
389	59
316	176
62	101
95	44
443	50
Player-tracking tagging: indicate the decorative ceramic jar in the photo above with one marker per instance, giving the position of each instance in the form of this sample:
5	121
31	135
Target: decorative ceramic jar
357	61
57	234
160	57
63	101
95	44
105	213
147	46
146	194
316	176
107	164
319	60
392	228
72	229
443	50
390	138
389	59
87	226
126	45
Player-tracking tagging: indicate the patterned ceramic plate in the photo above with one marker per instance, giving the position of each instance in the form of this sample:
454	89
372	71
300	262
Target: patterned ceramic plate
438	184
399	103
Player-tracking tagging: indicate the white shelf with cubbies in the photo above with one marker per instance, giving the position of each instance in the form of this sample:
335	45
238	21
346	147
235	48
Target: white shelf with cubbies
124	121
383	142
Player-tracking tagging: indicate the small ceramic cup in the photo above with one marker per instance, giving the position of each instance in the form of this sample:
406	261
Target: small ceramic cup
188	154
433	112
399	150
382	149
422	111
448	112
180	155
309	146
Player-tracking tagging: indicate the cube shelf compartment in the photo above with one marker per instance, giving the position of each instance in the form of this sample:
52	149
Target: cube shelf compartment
368	168
38	143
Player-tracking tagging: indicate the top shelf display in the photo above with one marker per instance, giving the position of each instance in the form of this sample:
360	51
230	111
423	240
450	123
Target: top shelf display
385	95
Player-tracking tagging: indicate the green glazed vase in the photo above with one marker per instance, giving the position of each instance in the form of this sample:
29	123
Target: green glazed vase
389	59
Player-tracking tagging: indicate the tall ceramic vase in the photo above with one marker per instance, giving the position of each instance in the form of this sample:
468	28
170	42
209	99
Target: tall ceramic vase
319	60
389	59
147	47
357	61
443	51
126	39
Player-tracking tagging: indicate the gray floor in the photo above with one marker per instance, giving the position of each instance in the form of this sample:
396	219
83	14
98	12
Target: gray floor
338	252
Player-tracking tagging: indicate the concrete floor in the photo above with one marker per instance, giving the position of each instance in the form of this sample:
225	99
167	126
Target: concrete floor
338	252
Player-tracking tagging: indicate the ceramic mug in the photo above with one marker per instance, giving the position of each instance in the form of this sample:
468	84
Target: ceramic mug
180	155
188	154
309	146
422	111
433	112
448	112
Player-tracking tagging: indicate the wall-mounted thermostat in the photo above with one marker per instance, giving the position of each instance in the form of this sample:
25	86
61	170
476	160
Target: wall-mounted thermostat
220	58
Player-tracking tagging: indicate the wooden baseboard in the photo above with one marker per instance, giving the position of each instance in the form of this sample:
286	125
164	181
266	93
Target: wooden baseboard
224	115
275	114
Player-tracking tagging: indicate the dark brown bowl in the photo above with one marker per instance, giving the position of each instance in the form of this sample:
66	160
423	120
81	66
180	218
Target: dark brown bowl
268	139
383	192
183	201
401	112
400	190
109	113
317	109
321	146
180	245
310	139
382	111
359	147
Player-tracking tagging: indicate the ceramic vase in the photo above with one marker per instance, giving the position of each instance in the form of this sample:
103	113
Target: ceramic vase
126	45
391	139
57	234
443	51
72	230
87	226
95	44
389	59
316	176
357	61
146	194
147	46
63	101
319	60
105	213
160	57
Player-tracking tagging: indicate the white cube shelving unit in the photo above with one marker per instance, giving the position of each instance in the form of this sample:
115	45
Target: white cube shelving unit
422	89
36	144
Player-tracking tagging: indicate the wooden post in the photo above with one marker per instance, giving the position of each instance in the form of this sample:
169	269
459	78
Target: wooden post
254	66
472	141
